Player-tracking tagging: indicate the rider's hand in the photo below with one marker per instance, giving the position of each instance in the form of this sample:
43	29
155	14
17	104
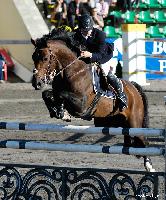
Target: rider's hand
86	54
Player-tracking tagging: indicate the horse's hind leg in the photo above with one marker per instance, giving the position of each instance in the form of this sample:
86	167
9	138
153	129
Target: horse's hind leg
141	142
148	164
134	122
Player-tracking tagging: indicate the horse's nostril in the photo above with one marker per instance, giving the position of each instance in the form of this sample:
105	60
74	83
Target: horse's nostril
35	71
39	85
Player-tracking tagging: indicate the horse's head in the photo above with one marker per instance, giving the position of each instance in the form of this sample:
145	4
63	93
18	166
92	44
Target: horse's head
45	61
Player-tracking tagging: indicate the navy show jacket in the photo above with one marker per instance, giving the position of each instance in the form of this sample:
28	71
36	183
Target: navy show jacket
96	44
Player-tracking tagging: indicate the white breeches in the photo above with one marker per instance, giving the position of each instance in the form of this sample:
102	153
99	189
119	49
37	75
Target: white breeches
106	67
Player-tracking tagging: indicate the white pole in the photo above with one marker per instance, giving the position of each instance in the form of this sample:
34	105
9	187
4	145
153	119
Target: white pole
133	39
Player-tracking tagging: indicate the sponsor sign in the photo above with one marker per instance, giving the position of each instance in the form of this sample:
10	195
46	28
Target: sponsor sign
155	59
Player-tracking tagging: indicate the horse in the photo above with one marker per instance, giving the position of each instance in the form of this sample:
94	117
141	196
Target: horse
71	80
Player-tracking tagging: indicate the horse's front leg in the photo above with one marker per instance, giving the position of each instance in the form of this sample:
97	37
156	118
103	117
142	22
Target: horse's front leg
148	164
54	106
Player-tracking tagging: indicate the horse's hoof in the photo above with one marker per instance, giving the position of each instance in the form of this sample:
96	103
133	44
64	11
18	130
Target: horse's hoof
148	165
66	117
152	170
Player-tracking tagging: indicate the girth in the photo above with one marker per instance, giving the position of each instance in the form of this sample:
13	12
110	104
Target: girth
91	109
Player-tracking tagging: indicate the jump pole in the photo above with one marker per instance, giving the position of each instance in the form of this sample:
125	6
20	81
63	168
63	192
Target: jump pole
88	148
133	39
151	132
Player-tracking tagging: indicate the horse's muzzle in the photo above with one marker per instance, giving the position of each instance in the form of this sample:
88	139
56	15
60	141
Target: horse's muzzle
36	84
35	71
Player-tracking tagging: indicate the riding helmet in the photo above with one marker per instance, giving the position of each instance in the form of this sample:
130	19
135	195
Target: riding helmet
85	22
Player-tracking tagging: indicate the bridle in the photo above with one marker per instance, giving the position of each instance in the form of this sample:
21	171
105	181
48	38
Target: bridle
49	75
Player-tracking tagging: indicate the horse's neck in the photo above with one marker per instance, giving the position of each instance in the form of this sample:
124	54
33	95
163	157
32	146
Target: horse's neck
76	68
64	55
75	72
79	77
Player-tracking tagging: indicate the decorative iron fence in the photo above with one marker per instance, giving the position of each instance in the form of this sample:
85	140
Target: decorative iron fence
32	182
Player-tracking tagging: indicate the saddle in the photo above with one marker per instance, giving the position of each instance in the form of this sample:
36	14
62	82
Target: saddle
100	82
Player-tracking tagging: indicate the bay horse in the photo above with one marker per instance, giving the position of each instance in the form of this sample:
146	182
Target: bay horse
72	81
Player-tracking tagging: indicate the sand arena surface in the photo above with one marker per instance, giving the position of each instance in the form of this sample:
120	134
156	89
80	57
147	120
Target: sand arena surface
19	102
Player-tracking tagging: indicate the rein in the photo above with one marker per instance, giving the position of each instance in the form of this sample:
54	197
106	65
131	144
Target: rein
67	65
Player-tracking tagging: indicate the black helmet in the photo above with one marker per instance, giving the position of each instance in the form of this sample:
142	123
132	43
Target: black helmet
85	22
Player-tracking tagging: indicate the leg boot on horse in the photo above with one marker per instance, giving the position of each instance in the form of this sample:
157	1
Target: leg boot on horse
55	109
117	85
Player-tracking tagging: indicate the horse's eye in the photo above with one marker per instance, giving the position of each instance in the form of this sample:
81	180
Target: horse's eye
45	59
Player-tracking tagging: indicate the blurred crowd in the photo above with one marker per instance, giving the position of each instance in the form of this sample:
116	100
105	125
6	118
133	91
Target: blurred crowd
66	12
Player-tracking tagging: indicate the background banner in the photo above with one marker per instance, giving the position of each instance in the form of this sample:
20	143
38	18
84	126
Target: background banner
155	59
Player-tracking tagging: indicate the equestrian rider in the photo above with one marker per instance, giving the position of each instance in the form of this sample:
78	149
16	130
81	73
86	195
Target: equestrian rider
97	50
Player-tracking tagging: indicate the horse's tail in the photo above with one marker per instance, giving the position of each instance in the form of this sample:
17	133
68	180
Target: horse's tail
145	123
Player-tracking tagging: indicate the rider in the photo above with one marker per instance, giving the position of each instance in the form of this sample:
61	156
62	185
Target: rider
97	50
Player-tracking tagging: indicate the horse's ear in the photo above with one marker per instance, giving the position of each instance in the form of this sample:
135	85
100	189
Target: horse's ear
33	42
48	44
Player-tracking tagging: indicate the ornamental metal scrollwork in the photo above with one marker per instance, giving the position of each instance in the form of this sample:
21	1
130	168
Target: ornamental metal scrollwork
90	185
122	185
44	182
41	183
10	183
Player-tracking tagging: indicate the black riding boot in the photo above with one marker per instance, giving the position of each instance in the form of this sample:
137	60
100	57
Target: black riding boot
117	85
55	109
